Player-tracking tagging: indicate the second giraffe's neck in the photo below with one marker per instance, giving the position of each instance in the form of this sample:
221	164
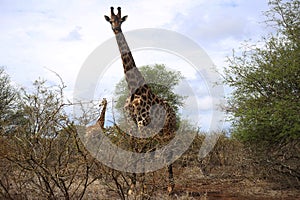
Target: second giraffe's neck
101	120
133	76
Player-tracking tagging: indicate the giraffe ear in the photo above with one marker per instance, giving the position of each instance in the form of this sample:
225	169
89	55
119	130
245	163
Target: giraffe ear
107	18
124	18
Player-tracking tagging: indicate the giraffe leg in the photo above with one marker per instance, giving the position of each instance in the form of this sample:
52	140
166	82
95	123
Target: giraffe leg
171	184
132	185
143	185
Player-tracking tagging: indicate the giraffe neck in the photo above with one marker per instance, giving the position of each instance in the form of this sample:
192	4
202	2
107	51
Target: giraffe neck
133	76
102	117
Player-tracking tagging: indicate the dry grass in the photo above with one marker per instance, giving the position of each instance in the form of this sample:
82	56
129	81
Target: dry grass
228	172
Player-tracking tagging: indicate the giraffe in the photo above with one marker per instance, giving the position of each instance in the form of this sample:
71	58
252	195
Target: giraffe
93	129
144	107
101	119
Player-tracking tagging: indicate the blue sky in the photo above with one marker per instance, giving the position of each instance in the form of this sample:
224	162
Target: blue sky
59	34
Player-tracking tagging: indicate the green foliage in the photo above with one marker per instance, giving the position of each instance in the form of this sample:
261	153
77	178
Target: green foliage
8	99
161	81
265	103
7	93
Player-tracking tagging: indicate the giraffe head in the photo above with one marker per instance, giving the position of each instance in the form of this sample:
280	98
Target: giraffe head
103	103
115	20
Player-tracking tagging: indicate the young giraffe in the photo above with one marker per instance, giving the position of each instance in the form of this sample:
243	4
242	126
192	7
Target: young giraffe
91	130
143	106
101	119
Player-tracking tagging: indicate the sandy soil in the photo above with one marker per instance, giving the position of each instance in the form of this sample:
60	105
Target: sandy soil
192	184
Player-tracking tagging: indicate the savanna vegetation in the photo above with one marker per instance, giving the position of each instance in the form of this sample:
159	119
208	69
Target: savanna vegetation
265	102
42	155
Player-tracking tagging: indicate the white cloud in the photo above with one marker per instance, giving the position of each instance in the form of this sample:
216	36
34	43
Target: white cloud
73	35
34	31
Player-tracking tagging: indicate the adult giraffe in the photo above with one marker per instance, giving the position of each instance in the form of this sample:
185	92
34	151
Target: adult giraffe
147	110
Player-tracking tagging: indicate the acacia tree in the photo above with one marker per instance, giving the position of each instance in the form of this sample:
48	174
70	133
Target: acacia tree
265	103
43	157
8	99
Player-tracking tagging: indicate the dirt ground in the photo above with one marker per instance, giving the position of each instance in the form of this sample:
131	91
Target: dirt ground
192	184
